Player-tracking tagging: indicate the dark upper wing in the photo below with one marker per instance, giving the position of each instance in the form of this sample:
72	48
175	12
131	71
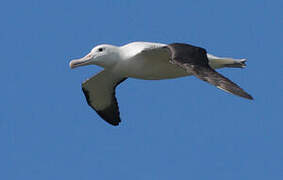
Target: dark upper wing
194	60
99	91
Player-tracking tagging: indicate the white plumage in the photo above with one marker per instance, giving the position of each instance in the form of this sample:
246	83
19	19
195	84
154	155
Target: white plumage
150	61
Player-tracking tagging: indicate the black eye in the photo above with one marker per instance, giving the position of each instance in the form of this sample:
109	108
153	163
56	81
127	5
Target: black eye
100	49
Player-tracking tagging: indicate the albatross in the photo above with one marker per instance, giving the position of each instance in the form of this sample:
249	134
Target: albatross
149	61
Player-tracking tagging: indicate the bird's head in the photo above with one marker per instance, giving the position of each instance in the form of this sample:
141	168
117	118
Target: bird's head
102	55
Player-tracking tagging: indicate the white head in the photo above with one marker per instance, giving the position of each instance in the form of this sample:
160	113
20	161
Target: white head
102	55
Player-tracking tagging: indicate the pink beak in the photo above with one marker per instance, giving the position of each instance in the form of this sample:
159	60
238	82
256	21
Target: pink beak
81	62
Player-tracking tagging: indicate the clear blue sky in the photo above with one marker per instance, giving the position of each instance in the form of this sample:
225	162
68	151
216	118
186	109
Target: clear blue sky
47	130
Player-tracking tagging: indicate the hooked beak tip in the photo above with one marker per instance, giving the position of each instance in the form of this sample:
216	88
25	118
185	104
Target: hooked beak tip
72	64
81	62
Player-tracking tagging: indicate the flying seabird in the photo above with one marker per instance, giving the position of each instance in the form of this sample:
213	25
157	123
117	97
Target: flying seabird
149	61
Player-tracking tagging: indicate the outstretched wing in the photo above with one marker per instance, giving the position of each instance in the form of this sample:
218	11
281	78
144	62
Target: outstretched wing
99	91
194	60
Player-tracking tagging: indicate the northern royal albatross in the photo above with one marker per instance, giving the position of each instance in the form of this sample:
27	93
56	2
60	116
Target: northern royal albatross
150	61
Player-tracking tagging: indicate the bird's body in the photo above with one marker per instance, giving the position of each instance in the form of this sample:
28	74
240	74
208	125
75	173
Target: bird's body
149	61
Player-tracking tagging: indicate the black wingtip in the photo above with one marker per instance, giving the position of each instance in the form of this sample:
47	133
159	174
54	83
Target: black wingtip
249	97
236	90
115	124
107	114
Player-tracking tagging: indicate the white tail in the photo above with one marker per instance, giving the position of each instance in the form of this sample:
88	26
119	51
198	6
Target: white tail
219	62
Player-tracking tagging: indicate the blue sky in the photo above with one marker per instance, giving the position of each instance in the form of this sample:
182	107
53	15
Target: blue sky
47	131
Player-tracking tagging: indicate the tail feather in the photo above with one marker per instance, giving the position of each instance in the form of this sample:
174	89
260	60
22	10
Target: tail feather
220	62
237	64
